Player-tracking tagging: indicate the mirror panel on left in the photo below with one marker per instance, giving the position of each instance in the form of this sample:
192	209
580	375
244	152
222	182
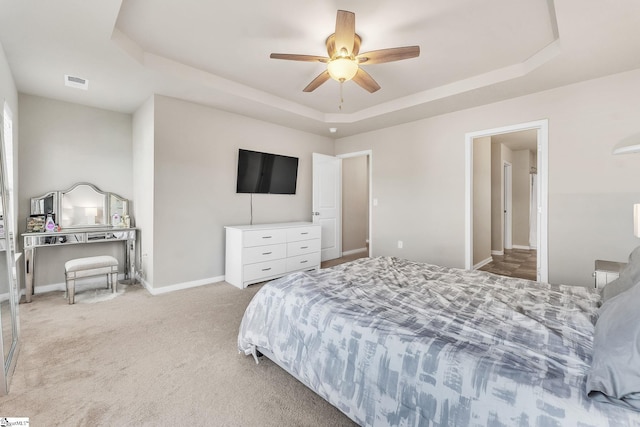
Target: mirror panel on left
9	287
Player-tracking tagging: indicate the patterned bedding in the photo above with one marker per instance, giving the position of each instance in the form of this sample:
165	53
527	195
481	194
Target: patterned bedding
394	342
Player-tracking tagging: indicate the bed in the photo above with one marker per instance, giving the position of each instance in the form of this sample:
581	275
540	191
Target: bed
394	342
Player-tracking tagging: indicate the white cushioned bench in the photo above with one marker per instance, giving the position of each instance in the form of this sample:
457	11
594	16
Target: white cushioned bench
88	267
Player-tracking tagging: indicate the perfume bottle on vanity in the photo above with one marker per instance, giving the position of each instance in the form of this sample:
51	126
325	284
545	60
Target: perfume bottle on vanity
49	224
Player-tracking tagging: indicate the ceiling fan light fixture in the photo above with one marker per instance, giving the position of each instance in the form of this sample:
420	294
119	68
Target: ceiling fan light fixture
342	69
344	57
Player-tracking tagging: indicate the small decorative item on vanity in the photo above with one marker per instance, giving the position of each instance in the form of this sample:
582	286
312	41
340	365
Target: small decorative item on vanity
50	224
116	220
35	223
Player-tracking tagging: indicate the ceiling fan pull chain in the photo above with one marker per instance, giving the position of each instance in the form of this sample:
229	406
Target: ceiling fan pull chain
341	98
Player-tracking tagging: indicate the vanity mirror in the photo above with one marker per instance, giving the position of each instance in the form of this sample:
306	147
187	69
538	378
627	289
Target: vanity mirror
45	203
82	205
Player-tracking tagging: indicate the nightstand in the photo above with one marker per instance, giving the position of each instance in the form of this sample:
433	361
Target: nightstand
606	271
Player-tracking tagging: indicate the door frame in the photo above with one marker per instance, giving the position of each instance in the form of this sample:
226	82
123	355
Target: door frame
369	154
542	127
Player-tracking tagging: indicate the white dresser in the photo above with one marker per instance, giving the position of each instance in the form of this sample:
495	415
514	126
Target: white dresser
255	253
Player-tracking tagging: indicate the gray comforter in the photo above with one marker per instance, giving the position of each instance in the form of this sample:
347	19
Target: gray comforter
394	342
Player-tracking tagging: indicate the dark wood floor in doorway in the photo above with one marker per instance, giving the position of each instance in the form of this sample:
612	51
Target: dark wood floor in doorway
520	263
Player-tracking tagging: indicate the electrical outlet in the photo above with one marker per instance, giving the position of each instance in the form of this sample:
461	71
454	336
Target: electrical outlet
400	244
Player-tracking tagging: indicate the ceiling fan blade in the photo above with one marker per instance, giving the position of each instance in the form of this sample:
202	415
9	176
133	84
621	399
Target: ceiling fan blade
292	57
366	81
388	55
322	77
345	31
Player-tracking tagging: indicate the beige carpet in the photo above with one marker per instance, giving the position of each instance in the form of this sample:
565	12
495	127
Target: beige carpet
151	360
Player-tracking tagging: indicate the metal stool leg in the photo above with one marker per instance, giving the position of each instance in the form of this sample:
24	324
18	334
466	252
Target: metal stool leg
114	282
71	290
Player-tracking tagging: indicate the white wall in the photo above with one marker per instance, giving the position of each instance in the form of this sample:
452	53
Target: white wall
143	186
418	176
61	144
8	91
195	166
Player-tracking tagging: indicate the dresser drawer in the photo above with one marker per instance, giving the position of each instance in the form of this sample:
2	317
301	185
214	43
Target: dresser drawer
303	247
264	269
264	237
303	233
264	253
303	262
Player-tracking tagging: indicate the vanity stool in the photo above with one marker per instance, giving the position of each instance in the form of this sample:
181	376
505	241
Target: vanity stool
88	267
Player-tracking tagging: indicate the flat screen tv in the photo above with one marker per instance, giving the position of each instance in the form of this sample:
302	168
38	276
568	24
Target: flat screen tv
266	173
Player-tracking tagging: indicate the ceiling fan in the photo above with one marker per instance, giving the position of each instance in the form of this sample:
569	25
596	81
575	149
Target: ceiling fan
344	59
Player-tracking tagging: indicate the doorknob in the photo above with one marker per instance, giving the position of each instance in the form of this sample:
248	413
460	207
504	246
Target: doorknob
315	213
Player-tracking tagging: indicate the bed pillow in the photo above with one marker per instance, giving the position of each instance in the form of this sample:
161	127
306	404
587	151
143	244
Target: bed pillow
629	276
614	375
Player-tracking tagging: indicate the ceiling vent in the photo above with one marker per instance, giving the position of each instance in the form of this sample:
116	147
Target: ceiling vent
76	82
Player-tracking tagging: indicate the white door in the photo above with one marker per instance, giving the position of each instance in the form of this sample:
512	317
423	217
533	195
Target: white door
507	200
327	203
533	213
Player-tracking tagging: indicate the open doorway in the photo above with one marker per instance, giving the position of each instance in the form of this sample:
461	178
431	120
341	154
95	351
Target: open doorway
512	253
506	200
355	206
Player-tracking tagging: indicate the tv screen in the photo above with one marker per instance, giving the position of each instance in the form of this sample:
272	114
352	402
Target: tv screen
266	173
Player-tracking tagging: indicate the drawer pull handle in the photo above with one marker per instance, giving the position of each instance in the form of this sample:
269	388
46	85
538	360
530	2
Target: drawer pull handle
266	269
267	253
302	262
306	232
304	247
266	237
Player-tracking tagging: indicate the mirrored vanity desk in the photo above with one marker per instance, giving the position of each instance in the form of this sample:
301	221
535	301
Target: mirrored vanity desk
84	215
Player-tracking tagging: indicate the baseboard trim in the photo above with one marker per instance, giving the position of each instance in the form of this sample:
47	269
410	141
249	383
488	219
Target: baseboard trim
92	281
482	263
354	251
144	283
497	253
526	248
180	286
